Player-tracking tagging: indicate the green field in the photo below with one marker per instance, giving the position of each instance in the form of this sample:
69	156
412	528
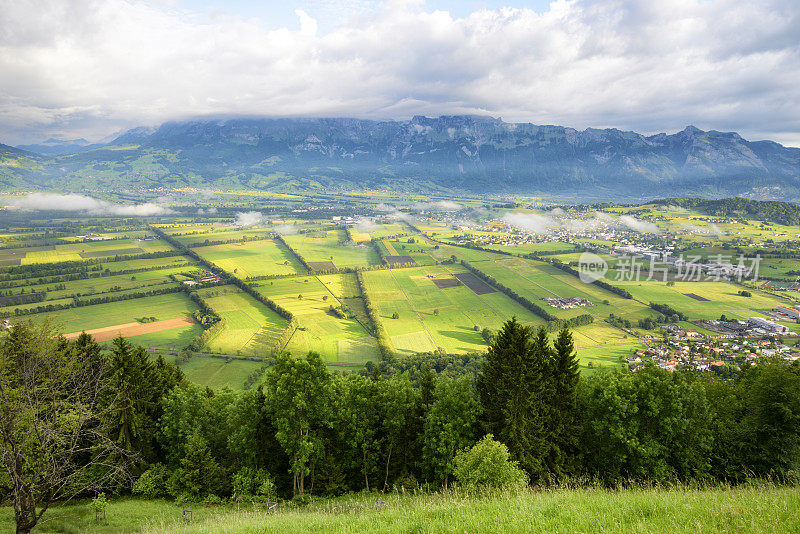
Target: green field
91	286
253	258
251	328
309	298
722	298
93	249
321	246
527	248
748	509
537	280
216	372
220	234
174	339
419	252
430	317
164	263
169	306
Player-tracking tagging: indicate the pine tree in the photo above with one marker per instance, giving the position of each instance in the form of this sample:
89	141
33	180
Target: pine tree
200	473
511	391
127	390
563	428
135	388
89	351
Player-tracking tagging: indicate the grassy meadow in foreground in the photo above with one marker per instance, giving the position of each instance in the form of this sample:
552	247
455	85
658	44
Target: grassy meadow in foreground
744	509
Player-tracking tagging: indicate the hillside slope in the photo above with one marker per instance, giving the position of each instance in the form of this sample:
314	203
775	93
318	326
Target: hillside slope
465	153
18	169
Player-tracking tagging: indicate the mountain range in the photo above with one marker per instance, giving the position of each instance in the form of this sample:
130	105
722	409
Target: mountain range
471	154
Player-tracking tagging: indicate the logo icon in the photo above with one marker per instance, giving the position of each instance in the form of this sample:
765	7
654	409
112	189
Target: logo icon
591	267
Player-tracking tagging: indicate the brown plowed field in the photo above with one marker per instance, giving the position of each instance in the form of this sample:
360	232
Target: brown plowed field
133	329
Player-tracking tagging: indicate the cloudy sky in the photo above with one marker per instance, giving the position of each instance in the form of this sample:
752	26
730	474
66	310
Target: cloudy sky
90	68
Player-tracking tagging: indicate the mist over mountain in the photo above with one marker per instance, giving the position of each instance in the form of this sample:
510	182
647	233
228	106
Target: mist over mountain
59	147
458	153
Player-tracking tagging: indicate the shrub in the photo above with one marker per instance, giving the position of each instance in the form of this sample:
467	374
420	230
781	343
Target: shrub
153	483
99	504
405	483
213	499
488	464
199	474
253	483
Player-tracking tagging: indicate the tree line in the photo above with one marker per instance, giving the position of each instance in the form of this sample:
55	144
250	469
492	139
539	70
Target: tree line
279	238
97	271
138	425
670	313
78	302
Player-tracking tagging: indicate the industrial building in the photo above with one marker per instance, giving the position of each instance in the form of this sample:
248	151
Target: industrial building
769	326
794	313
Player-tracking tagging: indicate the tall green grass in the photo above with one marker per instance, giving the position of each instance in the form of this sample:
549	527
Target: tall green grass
744	509
751	508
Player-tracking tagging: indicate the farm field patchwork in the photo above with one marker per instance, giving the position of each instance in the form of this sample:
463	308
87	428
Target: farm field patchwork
92	286
251	328
309	298
90	250
326	246
437	302
252	258
722	298
429	317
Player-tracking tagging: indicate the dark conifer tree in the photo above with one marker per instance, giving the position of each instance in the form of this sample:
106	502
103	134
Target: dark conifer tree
561	458
510	386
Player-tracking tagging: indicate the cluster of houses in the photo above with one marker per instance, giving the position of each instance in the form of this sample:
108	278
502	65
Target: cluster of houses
94	237
688	349
567	303
206	278
778	286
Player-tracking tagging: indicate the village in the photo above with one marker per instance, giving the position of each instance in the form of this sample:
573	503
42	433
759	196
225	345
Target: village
683	348
567	303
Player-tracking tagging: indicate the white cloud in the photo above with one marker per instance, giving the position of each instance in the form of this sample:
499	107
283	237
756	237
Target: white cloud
439	205
89	67
248	218
711	229
599	220
531	222
385	208
365	225
638	225
286	229
676	209
82	203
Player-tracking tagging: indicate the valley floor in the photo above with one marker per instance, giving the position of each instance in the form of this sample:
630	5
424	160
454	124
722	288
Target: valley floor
758	508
